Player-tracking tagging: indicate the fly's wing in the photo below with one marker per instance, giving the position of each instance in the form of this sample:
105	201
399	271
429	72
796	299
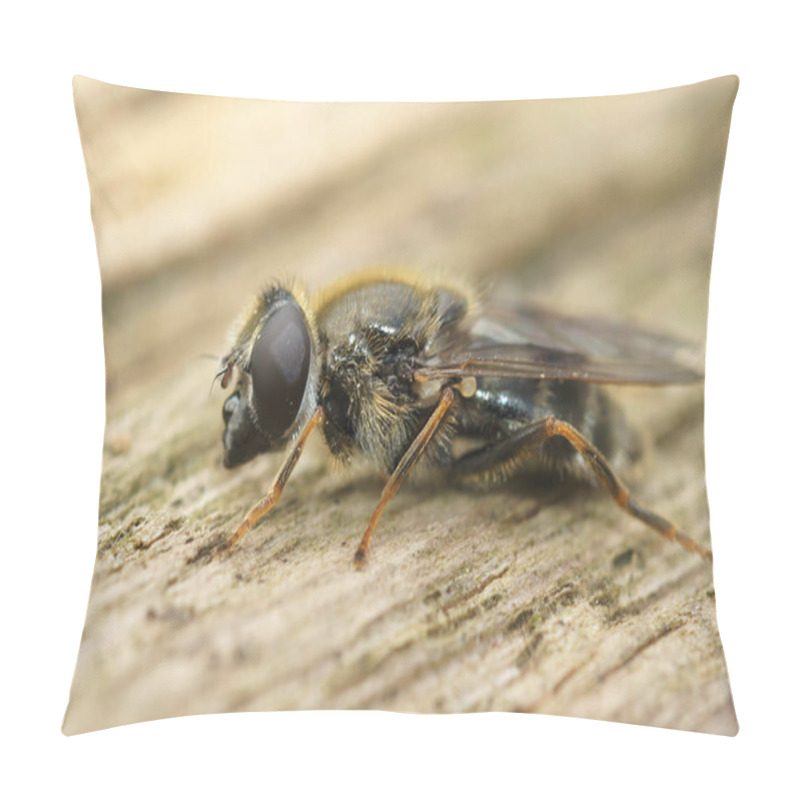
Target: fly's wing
536	344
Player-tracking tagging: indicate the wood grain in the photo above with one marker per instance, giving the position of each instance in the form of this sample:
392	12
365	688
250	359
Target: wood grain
533	598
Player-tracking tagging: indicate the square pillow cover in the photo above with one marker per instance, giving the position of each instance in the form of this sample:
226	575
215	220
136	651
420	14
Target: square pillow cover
404	407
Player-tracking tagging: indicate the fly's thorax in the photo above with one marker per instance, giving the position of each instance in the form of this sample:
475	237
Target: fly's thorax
374	336
368	401
393	300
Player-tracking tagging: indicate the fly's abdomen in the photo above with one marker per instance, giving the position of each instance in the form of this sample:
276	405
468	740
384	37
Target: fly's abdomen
589	409
500	409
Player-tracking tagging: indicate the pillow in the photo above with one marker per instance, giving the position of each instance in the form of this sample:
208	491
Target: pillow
526	348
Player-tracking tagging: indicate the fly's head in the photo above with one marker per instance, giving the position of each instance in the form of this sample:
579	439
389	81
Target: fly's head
275	351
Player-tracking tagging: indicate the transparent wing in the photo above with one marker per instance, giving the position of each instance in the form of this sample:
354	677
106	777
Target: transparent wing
537	344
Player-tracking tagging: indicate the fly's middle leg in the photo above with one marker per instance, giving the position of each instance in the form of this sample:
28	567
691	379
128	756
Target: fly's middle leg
529	439
410	457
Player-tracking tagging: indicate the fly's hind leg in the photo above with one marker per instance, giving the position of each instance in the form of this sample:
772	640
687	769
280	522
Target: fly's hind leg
530	438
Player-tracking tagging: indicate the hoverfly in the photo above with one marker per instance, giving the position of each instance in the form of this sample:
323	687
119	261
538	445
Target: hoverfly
405	370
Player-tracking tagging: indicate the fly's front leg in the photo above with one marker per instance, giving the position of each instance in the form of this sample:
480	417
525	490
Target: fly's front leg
258	511
410	457
530	438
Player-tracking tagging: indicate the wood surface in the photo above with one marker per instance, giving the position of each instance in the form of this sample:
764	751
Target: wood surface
530	598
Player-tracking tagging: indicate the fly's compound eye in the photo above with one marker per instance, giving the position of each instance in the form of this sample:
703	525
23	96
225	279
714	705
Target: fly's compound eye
279	367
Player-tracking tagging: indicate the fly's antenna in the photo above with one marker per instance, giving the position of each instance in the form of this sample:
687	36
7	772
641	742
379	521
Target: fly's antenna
223	375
